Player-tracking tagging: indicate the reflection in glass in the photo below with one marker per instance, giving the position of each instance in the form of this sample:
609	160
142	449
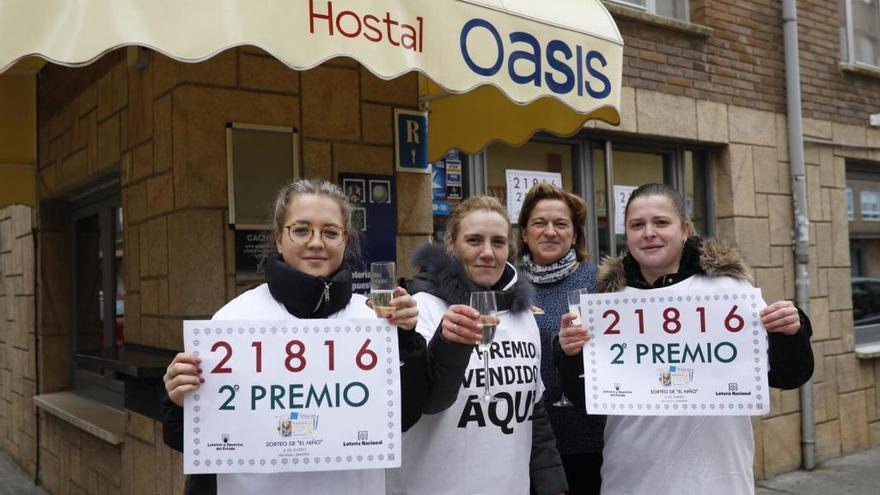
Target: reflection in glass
89	296
631	168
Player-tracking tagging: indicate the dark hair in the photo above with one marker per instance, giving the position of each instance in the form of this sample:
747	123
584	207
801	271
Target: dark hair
318	187
576	205
654	189
478	203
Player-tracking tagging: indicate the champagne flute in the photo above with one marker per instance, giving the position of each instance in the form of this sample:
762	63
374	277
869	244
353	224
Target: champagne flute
382	284
574	306
484	303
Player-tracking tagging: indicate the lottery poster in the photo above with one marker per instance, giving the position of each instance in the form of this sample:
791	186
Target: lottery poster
666	352
518	184
315	395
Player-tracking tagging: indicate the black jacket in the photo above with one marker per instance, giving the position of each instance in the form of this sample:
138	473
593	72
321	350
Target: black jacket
790	356
443	276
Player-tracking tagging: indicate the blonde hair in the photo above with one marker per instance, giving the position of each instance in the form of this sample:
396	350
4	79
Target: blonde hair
470	205
317	187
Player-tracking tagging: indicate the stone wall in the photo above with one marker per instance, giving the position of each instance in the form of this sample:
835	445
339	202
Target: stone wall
17	349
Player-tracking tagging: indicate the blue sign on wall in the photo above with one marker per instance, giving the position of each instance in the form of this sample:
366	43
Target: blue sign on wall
374	215
411	150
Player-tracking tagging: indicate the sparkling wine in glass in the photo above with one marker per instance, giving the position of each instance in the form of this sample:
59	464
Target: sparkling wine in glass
574	306
382	283
484	303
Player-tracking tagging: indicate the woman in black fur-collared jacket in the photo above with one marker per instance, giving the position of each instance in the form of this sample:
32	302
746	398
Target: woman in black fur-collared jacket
504	445
685	455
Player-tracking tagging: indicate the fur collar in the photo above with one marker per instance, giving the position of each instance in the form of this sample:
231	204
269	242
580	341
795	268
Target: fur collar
715	260
442	275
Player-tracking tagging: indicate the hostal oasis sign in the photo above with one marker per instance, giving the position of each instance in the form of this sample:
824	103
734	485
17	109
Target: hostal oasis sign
308	395
485	46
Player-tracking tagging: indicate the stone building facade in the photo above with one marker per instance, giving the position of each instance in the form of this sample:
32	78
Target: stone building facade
155	132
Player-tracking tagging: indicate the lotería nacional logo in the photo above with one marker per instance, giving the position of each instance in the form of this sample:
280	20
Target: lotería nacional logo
363	439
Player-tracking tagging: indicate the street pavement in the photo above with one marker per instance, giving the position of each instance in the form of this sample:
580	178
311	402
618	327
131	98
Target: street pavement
14	481
856	474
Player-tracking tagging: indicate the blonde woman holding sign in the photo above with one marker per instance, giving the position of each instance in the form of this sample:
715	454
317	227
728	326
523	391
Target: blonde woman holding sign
498	442
684	455
307	278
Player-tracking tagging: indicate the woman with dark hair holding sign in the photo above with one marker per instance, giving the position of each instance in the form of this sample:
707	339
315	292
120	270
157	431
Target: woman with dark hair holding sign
307	278
496	438
685	455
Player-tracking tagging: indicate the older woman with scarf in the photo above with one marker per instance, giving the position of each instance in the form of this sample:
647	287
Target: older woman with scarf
480	446
684	455
554	258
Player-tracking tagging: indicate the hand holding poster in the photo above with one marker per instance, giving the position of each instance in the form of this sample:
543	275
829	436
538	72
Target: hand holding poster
315	395
667	352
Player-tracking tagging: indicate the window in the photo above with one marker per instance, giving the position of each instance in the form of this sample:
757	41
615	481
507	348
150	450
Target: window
581	162
860	31
870	203
678	9
97	295
850	207
633	164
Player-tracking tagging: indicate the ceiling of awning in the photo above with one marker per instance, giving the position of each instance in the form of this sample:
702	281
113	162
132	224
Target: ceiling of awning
508	67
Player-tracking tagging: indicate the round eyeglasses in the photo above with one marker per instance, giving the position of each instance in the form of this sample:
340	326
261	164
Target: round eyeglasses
301	234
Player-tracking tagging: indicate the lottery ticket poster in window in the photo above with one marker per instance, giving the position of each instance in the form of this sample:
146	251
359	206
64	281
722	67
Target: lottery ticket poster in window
518	184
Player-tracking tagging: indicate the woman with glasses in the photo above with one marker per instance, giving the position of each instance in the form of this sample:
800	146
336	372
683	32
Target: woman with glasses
495	439
307	278
553	244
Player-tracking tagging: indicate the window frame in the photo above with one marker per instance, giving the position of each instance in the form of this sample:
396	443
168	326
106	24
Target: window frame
650	7
106	387
583	175
850	203
848	50
875	212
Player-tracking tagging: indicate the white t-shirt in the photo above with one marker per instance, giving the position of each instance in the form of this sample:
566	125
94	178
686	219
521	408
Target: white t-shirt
258	304
680	455
475	448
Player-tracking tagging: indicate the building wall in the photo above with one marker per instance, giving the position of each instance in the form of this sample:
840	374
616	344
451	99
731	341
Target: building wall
17	350
18	139
741	60
161	131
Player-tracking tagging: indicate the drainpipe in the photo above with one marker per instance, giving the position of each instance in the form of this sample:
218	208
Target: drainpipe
801	219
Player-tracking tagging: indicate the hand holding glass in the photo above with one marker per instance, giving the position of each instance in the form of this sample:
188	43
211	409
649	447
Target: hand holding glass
382	284
484	303
574	306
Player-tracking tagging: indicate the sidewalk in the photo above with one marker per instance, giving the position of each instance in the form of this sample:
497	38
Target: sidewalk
14	481
856	474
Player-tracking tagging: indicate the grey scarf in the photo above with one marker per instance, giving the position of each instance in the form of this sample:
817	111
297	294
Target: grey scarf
554	272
